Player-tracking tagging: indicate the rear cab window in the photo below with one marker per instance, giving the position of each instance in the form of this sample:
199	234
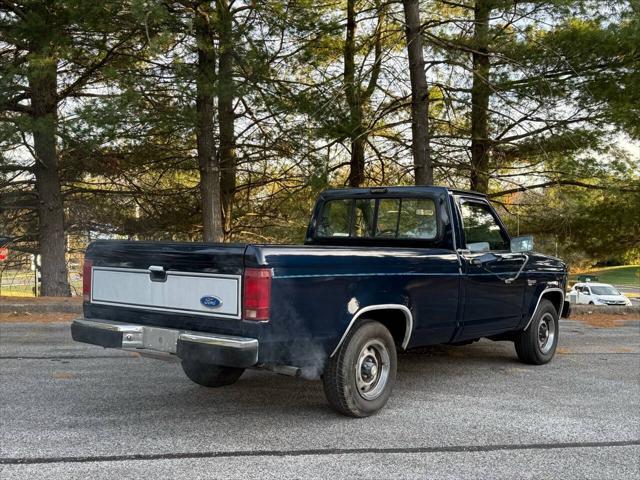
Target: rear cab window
405	218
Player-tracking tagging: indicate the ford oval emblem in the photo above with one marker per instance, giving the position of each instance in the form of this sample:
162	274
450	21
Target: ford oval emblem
210	301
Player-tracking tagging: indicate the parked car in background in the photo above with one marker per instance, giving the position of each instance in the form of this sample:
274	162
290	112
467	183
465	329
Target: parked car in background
592	293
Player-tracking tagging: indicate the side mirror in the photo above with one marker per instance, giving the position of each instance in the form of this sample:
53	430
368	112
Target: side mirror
521	244
484	259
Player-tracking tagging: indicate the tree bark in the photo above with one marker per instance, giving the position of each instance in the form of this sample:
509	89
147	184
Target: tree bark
480	93
421	148
42	77
226	114
352	93
207	157
358	98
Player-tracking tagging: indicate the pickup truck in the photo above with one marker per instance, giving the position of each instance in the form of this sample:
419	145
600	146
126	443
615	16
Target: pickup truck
382	270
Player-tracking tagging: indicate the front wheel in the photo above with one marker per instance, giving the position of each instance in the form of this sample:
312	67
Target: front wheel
537	344
359	378
209	375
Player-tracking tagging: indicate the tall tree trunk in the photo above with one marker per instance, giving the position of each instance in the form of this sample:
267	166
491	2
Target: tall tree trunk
207	157
480	93
226	115
356	172
352	93
42	75
421	148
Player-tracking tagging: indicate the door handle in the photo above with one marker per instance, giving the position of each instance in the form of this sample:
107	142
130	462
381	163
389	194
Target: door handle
485	259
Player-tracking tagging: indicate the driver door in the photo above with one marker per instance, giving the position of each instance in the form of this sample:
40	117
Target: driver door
493	299
584	295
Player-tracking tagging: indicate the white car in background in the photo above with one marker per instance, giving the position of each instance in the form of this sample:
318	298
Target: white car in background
592	293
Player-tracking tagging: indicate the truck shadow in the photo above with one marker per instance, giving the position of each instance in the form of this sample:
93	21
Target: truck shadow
152	394
422	369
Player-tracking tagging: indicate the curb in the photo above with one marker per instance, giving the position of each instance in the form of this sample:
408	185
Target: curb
604	309
53	307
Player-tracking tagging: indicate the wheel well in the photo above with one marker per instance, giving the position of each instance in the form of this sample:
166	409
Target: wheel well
556	299
394	319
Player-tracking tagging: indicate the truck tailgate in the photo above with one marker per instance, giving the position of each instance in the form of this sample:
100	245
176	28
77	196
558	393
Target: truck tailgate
167	290
165	284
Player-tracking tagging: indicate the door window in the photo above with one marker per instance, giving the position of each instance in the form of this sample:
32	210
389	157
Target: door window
480	225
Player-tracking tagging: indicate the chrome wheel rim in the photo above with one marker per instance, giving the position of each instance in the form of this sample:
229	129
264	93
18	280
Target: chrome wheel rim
372	369
546	333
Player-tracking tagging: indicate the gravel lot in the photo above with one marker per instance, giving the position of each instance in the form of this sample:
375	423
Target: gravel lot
75	411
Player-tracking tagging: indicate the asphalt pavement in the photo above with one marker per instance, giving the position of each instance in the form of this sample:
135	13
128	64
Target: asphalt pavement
76	411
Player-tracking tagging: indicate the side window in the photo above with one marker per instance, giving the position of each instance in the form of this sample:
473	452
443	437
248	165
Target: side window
336	219
481	226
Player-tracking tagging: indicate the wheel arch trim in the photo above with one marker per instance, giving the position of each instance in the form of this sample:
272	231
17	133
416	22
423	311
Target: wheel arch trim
542	294
385	306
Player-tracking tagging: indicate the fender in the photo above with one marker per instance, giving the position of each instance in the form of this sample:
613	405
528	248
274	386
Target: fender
546	290
385	306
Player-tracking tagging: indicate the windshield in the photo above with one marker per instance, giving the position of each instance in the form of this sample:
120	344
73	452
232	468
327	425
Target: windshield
604	290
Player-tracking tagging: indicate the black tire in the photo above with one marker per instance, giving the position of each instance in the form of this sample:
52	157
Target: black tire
211	375
341	379
532	346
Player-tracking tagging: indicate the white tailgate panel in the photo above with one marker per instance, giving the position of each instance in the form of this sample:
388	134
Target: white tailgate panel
181	292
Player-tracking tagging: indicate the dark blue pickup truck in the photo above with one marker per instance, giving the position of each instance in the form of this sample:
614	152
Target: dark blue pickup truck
381	270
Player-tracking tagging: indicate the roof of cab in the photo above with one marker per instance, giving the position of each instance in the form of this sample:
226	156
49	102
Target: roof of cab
399	190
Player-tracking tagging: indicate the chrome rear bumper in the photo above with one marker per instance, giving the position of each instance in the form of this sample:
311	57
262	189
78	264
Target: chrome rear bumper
210	348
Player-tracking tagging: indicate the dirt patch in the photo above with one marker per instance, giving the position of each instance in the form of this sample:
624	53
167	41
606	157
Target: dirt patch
37	317
603	320
623	350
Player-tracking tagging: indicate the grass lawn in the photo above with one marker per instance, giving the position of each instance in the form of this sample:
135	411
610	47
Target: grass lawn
624	275
20	284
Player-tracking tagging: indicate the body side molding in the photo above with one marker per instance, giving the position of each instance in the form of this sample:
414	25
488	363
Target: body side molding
385	306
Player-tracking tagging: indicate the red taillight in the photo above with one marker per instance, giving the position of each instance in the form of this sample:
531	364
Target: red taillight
256	294
86	280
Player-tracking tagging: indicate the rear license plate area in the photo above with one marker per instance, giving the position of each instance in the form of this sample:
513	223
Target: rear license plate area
160	339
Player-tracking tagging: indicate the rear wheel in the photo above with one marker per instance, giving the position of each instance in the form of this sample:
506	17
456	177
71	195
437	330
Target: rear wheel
359	378
537	344
209	375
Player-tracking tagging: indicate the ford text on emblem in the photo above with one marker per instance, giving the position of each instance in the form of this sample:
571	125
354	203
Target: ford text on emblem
210	301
